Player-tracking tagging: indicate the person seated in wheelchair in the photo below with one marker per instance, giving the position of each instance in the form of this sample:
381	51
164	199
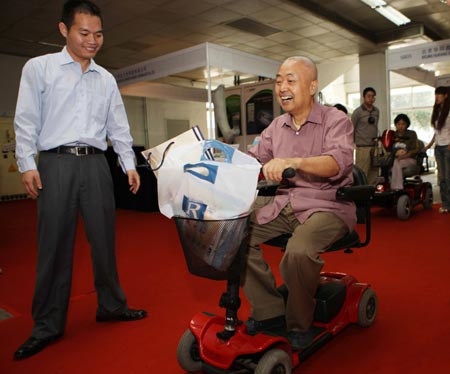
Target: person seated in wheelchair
316	141
405	150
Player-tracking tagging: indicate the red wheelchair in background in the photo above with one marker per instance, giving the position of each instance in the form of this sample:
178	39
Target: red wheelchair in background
415	190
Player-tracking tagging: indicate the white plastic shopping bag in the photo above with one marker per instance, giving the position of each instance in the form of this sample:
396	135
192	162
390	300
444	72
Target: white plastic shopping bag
155	156
170	177
208	190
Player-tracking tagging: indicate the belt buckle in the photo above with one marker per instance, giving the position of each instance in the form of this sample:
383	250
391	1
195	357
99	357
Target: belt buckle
81	151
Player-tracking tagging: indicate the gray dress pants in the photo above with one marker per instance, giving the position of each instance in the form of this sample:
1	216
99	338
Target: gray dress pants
72	185
300	265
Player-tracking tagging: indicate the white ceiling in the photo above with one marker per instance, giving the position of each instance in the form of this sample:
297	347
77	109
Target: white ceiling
138	30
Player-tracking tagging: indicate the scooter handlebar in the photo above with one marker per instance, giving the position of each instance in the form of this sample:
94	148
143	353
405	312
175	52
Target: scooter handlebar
288	173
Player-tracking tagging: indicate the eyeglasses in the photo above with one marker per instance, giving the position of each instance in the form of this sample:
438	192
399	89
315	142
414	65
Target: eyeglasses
371	120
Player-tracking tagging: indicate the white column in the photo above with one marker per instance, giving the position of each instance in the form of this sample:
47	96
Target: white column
373	73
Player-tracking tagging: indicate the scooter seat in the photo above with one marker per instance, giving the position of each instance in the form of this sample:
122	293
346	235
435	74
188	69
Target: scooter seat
351	240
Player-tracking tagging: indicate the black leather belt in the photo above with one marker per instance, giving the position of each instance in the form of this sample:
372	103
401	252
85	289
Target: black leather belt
76	150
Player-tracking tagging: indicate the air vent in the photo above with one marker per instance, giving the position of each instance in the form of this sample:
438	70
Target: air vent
253	27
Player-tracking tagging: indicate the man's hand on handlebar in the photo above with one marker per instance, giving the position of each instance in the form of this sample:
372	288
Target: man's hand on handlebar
278	169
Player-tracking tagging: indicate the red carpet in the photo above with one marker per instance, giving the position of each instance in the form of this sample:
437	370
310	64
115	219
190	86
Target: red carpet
406	263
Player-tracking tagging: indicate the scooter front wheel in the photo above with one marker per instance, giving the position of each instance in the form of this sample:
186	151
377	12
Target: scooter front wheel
274	361
367	309
187	353
403	207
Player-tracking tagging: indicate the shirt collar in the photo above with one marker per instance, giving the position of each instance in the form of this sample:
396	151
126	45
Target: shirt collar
363	106
313	117
66	58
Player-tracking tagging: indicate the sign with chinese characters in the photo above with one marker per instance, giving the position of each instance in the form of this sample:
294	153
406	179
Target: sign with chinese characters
419	54
443	80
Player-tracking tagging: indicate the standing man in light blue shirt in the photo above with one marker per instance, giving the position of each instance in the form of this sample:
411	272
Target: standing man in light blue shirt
67	108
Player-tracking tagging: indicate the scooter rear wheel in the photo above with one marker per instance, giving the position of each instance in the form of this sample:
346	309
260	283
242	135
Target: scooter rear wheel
274	361
187	353
428	199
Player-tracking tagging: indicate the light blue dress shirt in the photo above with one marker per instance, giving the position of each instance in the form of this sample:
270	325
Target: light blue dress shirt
58	104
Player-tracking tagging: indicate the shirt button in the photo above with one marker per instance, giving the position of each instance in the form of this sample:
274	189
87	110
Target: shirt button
296	133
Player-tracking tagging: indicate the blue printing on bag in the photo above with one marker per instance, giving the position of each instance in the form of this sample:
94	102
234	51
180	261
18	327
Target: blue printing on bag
227	150
193	209
210	171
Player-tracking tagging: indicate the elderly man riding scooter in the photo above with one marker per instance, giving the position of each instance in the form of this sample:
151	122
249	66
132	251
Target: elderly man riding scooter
316	141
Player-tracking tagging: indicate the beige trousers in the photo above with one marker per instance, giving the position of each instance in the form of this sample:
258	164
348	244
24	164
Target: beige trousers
300	265
363	161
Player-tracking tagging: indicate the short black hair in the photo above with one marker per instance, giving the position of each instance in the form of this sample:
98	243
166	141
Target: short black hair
341	107
72	7
441	90
403	117
369	89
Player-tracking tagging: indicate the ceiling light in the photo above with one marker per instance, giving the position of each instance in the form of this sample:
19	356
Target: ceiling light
387	11
393	15
374	3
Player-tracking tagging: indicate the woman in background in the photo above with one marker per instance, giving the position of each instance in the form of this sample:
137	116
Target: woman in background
440	120
405	150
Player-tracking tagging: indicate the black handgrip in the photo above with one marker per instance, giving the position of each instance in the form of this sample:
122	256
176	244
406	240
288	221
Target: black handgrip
288	173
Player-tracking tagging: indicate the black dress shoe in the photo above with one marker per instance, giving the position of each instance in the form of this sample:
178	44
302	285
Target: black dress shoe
301	339
128	315
271	326
32	346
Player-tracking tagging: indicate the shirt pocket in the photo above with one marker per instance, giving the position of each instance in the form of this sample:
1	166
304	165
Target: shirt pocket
99	110
97	100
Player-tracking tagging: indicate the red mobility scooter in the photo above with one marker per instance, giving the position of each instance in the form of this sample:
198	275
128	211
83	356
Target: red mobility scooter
220	344
415	191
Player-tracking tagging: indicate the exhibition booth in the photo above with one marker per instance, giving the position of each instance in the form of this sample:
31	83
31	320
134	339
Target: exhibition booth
235	87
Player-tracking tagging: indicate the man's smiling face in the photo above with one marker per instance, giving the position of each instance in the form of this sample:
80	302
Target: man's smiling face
295	86
84	38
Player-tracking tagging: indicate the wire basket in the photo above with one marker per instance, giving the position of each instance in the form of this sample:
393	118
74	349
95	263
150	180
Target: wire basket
210	247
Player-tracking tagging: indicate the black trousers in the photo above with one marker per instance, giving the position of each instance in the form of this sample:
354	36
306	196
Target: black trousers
72	185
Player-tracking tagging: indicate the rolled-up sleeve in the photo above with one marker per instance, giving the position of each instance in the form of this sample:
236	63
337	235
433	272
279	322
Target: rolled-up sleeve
263	150
339	142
